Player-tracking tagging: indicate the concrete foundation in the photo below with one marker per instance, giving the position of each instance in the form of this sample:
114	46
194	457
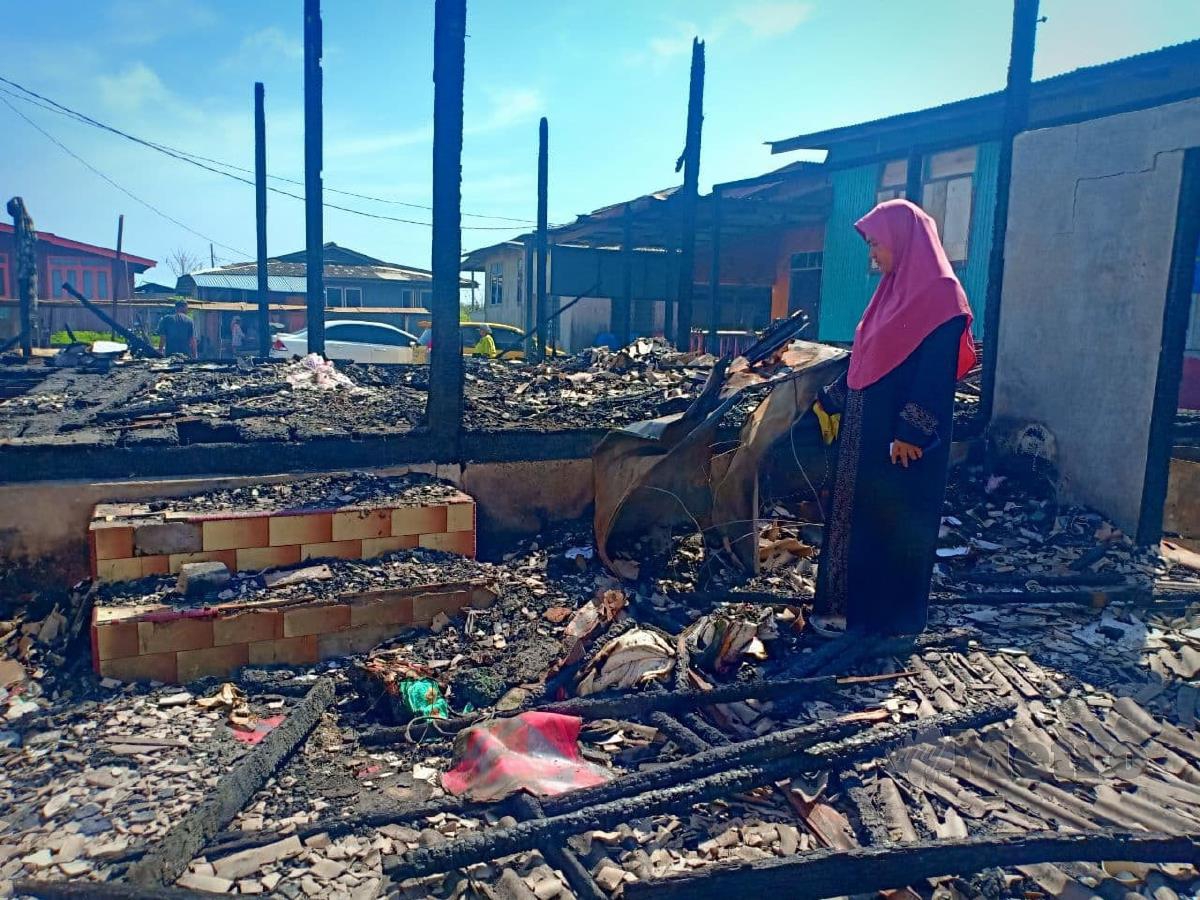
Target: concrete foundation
1090	234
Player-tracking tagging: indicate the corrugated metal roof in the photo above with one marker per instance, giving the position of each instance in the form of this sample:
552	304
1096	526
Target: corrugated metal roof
283	284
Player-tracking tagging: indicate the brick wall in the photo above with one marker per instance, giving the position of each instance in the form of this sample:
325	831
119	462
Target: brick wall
162	643
128	541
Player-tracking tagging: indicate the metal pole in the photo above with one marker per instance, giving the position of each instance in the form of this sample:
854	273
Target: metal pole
714	277
25	242
689	196
260	219
542	242
117	274
313	189
1016	118
624	323
445	406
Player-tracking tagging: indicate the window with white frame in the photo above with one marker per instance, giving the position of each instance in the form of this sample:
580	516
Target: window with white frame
496	283
947	187
88	277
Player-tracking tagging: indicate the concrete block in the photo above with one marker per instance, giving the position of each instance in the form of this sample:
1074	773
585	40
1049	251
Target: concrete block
353	640
110	570
147	667
229	557
267	557
337	549
427	606
315	619
116	640
384	608
112	540
234	534
175	635
295	651
165	538
460	517
307	528
461	542
155	565
241	628
372	547
361	523
218	661
419	520
197	579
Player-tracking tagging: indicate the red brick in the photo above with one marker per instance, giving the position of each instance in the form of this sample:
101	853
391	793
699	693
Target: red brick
296	651
461	542
308	528
372	547
115	640
315	619
337	549
149	667
155	565
175	634
242	628
229	557
419	520
354	640
234	534
427	606
460	517
218	661
112	540
383	608
253	558
362	523
118	569
165	538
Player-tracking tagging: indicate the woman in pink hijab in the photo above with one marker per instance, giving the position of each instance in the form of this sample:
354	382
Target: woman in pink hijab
892	413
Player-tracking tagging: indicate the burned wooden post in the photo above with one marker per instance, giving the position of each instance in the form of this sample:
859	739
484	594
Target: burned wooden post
714	277
260	219
623	322
445	406
1016	117
914	182
688	198
117	273
542	224
136	343
25	239
314	259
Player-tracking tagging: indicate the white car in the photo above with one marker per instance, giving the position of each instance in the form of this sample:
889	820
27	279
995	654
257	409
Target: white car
361	342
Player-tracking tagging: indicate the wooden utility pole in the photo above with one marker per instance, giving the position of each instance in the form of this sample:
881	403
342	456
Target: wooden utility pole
25	239
314	265
1016	119
445	406
120	271
543	187
260	219
714	275
688	197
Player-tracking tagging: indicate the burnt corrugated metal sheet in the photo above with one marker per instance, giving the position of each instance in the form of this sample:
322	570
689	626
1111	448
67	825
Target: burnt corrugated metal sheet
846	279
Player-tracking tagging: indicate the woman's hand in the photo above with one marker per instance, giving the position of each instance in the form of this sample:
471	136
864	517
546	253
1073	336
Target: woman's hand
904	452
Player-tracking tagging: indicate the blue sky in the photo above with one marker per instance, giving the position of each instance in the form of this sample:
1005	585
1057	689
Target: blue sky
611	77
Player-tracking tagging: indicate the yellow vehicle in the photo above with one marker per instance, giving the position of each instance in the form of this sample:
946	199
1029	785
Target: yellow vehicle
507	338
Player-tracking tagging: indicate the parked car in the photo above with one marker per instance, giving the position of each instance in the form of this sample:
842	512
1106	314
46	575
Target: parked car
505	336
361	342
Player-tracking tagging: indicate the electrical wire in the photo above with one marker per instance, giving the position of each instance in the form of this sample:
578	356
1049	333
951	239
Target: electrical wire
150	206
207	164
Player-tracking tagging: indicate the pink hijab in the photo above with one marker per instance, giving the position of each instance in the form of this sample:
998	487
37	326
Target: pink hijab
918	295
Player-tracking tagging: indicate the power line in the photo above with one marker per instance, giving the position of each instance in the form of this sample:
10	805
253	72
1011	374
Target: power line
196	159
123	190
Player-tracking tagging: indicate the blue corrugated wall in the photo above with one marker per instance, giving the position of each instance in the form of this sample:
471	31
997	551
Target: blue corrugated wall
846	280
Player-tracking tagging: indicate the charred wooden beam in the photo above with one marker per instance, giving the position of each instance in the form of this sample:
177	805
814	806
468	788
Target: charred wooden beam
543	186
482	846
1095	599
688	199
1082	579
559	855
135	341
683	737
170	857
260	220
865	870
314	193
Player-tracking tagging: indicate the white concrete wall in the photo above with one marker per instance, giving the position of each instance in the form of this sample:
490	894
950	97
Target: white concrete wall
1090	232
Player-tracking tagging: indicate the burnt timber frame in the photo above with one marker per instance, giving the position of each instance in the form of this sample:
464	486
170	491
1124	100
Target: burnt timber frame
260	220
314	212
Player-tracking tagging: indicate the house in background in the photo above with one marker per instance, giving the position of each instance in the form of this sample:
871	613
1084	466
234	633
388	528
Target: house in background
93	271
353	281
952	153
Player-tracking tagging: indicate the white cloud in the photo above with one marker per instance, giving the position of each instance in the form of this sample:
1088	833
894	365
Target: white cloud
265	46
378	143
508	107
133	90
773	18
143	22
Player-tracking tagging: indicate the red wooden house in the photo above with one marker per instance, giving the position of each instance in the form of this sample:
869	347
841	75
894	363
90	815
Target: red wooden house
93	271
